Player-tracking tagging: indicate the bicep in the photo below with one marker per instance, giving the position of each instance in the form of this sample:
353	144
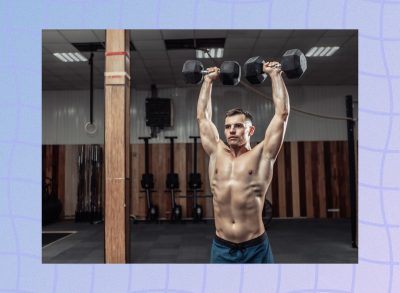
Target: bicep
274	136
209	135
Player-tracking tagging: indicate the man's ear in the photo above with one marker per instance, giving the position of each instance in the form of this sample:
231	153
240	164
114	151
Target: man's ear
252	129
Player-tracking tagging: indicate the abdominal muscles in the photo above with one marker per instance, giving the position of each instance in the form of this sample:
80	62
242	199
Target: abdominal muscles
238	209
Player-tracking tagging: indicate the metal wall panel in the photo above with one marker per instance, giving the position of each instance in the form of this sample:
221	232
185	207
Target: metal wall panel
66	112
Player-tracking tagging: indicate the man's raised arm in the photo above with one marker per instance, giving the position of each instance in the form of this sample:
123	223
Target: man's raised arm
276	130
208	131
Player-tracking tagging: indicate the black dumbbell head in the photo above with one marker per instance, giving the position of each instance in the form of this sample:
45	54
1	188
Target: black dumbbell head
294	63
253	70
230	73
192	71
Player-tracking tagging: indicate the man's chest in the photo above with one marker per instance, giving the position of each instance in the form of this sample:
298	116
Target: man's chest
242	168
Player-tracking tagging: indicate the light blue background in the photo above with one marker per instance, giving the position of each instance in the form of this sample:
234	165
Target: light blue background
21	23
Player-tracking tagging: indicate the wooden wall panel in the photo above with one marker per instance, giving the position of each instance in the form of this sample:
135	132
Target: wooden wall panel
138	203
308	180
295	179
281	183
344	188
317	178
61	176
327	165
334	176
343	173
302	176
288	179
321	179
314	176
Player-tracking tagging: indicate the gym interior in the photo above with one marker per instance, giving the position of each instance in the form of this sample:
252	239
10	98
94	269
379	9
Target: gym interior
163	213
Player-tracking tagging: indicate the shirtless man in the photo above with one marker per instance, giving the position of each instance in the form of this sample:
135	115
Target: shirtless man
239	175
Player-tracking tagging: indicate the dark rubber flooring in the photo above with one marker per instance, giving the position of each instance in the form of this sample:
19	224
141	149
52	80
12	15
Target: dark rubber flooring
48	238
292	241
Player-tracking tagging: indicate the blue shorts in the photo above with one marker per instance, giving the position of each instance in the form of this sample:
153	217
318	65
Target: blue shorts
256	250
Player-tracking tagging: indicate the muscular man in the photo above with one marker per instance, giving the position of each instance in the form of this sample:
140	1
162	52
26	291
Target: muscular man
239	175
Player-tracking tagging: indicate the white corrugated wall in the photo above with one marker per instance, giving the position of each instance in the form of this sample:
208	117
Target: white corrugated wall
66	112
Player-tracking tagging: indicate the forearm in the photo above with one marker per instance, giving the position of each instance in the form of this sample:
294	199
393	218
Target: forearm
280	95
204	108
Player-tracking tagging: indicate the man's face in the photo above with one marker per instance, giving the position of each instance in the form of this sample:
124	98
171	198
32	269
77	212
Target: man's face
238	130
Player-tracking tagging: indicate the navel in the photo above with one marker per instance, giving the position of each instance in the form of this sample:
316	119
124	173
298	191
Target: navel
216	171
250	172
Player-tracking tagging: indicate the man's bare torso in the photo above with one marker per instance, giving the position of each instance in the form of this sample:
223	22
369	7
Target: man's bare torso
239	185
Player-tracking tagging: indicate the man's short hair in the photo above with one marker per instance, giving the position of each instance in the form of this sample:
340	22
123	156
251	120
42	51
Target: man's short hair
237	111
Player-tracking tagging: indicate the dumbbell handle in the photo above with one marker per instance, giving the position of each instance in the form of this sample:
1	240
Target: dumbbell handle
275	66
205	72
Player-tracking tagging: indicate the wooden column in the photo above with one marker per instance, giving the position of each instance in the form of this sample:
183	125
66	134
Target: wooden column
117	103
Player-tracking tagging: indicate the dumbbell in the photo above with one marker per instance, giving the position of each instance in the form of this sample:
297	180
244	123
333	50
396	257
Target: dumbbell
293	63
193	72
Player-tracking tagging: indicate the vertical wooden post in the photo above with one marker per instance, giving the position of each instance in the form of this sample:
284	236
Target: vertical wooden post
117	104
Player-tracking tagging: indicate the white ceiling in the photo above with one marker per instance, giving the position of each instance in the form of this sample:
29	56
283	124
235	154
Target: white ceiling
153	64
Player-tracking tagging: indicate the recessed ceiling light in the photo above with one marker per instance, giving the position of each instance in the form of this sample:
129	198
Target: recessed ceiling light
60	57
321	51
81	57
70	57
332	51
210	53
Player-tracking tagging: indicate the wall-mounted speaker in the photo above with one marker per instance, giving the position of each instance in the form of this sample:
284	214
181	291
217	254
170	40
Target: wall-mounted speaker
159	112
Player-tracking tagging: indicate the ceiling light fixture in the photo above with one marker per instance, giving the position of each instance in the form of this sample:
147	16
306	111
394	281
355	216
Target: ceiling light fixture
322	51
210	53
70	57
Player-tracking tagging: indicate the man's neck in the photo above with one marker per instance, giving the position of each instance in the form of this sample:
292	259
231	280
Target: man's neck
237	151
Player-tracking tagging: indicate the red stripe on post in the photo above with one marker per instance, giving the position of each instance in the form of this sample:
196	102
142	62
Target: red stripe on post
115	53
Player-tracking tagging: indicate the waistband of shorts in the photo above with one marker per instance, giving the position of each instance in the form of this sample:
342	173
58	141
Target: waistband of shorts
245	244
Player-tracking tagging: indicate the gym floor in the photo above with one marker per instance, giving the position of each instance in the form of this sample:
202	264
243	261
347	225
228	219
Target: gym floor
292	241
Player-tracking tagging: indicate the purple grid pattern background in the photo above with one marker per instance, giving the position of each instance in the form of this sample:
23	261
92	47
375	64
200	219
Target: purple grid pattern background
21	23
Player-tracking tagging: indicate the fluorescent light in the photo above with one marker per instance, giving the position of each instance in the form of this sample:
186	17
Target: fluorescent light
58	55
210	53
332	51
199	54
73	57
65	55
80	57
324	51
70	57
321	51
311	51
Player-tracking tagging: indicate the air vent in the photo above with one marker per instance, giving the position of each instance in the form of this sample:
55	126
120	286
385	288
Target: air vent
179	44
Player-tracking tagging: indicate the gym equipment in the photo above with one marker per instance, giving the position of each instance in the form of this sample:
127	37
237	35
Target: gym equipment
172	183
96	207
147	183
195	184
80	212
293	63
193	72
51	205
89	206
